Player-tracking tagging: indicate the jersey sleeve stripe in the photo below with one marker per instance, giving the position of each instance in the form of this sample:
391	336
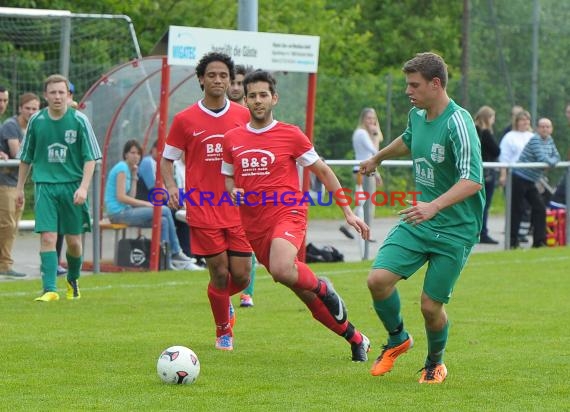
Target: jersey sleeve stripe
465	154
171	152
227	169
308	158
91	138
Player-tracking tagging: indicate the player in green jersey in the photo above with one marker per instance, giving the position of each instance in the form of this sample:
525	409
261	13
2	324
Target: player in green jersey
62	148
445	223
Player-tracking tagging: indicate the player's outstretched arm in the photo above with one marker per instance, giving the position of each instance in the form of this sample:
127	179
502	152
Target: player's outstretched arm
395	149
325	174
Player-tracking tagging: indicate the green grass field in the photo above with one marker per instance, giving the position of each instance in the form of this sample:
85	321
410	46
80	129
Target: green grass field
508	347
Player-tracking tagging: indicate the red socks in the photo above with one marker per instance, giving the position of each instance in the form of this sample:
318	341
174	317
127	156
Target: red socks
307	280
220	304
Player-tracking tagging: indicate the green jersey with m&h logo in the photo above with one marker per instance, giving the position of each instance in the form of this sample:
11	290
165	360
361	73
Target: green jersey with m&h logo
58	149
445	150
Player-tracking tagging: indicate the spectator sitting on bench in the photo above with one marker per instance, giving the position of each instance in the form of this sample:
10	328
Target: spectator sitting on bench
123	207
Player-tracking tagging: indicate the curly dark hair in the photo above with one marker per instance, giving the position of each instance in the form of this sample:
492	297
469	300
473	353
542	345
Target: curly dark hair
215	57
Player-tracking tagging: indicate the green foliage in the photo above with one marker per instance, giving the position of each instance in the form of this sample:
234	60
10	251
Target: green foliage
406	27
99	353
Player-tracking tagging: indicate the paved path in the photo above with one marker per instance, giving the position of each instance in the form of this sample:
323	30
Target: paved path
321	232
326	232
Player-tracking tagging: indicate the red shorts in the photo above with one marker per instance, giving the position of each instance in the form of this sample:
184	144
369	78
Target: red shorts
293	229
210	242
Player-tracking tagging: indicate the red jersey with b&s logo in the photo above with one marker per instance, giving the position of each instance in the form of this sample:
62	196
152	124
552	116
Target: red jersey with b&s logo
263	163
198	133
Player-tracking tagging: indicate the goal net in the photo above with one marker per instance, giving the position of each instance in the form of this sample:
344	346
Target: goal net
37	43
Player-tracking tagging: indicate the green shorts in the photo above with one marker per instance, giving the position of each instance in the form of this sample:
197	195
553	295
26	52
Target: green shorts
406	250
55	211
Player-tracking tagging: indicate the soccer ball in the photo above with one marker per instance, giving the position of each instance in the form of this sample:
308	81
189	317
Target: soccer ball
178	365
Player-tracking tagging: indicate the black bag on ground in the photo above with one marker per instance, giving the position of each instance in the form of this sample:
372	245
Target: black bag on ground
135	253
327	253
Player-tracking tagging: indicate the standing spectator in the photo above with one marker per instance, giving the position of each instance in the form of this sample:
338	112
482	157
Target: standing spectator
366	141
236	94
442	227
123	207
484	121
11	134
215	229
511	147
540	148
262	157
62	148
513	142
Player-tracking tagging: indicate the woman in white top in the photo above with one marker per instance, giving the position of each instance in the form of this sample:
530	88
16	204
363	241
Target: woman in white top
512	146
514	142
366	141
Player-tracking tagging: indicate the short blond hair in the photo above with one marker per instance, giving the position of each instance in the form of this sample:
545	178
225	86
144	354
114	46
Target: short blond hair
521	115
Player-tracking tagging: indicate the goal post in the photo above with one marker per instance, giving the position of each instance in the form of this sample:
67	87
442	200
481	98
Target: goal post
35	43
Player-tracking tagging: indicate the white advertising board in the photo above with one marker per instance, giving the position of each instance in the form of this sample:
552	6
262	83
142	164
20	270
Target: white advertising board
268	51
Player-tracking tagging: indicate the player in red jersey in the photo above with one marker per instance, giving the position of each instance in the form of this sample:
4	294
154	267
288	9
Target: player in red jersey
260	165
215	228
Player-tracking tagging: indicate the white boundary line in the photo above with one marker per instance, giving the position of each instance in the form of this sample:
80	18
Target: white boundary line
268	277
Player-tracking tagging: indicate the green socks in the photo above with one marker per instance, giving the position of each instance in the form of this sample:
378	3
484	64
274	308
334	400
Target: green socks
73	266
436	344
48	269
388	310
